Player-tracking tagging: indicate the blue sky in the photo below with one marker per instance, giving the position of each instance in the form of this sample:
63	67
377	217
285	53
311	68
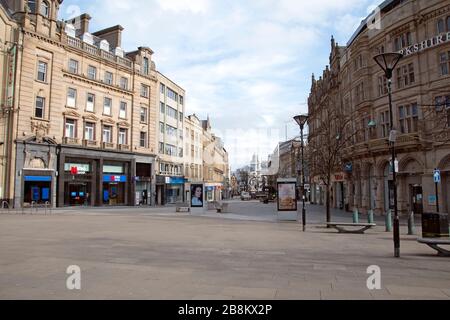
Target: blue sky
246	64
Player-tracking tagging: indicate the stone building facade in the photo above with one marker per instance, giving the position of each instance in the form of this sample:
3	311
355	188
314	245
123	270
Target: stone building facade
85	123
8	56
216	169
193	151
170	164
421	109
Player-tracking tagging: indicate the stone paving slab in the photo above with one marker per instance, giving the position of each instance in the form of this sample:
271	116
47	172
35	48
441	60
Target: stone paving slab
135	256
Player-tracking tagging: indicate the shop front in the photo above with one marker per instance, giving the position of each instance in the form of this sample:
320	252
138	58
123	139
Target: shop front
115	181
79	182
175	190
37	187
170	190
95	178
144	194
213	191
36	174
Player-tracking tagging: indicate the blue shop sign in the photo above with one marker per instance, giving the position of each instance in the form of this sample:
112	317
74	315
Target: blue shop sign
38	178
175	180
112	178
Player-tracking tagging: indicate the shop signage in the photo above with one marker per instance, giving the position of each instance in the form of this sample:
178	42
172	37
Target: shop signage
175	180
11	76
108	178
339	177
77	168
427	44
38	178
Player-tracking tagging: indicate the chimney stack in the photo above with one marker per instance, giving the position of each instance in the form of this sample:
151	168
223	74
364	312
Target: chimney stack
81	23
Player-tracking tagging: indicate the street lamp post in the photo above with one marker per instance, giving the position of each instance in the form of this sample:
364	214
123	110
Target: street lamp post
388	62
301	121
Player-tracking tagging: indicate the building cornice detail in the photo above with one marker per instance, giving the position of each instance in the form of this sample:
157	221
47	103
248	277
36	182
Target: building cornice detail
95	82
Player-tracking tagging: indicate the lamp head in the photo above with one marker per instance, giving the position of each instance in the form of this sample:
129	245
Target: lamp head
301	120
388	62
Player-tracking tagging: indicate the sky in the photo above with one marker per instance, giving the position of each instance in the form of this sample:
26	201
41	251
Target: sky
245	64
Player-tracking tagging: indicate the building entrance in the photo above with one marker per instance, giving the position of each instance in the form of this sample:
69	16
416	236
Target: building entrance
417	199
77	194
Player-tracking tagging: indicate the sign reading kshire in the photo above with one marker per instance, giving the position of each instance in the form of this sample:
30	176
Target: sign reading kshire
427	44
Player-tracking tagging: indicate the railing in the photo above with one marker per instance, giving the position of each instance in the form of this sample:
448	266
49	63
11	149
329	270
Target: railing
47	207
33	206
93	50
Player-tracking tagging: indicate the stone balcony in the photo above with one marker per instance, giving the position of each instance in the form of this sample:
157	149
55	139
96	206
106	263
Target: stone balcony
108	145
93	50
71	141
90	144
124	147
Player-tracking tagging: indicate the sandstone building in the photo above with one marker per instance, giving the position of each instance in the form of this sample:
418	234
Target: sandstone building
355	85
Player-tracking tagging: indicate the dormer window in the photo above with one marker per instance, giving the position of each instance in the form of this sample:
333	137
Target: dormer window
45	9
32	6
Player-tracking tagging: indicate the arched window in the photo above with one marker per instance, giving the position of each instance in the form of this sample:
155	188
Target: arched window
440	26
45	9
32	6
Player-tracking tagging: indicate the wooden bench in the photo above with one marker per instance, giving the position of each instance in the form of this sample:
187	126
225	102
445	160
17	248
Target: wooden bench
435	243
183	209
340	226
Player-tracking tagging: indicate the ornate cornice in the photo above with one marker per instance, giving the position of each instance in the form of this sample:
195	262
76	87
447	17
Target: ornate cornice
72	113
70	75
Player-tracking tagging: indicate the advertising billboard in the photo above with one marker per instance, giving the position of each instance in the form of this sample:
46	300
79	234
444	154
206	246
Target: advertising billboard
287	196
197	196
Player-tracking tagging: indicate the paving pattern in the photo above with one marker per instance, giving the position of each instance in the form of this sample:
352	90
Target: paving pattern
158	254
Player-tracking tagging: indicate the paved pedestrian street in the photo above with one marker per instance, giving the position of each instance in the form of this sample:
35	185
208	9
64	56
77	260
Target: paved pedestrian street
158	254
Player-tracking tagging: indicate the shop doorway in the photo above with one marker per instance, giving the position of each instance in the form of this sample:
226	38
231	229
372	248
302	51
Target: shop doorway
77	194
113	193
38	192
417	199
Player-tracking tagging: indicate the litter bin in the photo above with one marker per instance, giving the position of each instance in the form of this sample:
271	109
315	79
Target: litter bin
435	225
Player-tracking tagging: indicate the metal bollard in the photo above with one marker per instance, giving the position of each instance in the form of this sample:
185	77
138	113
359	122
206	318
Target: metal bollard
356	216
389	221
370	217
411	225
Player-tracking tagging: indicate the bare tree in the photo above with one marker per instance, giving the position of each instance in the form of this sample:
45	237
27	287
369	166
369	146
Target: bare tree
328	139
436	122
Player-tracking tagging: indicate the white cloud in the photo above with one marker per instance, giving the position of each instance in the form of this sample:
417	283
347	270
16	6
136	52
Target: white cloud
194	6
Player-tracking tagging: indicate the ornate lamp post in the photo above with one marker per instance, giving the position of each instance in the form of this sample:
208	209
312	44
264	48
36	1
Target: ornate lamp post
388	62
301	121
